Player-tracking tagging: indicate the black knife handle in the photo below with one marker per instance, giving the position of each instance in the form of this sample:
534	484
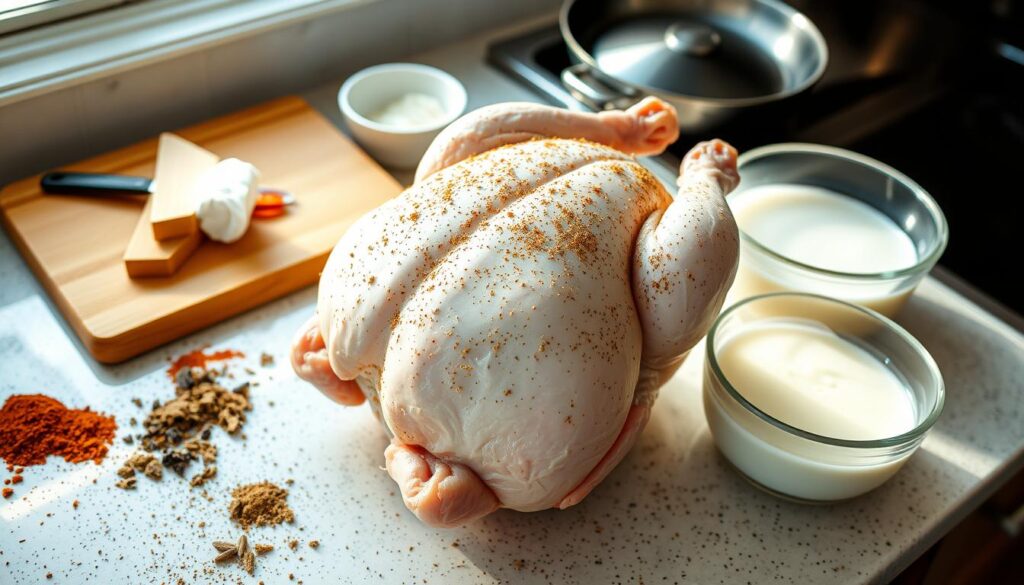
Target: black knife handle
62	183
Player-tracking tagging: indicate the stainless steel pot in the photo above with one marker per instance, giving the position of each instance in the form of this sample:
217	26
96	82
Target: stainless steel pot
711	59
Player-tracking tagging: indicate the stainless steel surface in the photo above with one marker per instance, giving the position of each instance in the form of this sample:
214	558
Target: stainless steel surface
709	59
595	92
693	39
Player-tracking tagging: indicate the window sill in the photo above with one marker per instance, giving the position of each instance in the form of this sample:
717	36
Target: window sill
71	52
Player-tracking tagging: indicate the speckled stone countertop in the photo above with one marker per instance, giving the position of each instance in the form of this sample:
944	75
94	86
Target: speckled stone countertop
673	512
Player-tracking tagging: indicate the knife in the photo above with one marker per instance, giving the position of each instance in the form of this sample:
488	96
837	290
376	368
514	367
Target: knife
75	183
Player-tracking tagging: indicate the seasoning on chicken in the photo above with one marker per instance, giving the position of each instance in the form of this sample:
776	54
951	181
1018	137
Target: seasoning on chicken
511	316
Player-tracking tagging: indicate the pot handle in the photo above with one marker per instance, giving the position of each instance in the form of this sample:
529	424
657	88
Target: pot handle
596	91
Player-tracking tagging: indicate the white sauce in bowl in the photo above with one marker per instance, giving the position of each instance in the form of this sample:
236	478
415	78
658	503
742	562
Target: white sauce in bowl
411	110
823	229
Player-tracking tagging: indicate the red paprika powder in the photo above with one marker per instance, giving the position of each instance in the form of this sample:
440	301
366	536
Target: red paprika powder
33	426
199	359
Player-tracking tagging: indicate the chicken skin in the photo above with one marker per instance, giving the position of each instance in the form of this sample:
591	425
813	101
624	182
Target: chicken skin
511	316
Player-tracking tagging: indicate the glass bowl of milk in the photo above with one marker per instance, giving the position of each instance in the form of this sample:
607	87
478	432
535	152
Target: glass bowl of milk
833	222
814	399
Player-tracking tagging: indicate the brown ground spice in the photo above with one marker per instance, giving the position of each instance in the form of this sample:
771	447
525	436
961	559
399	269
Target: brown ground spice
178	430
260	504
200	403
208	473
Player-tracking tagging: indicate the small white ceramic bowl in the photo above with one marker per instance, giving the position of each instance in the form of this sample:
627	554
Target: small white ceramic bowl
369	90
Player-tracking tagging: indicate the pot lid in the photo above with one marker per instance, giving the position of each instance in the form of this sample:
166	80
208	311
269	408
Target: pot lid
690	54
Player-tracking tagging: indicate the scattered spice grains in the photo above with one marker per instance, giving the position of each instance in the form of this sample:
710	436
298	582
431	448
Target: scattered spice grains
203	476
260	504
266	360
314	544
200	402
226	555
199	359
240	550
144	462
180	428
249	561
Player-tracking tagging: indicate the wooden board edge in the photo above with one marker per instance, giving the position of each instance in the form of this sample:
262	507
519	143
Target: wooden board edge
48	284
232	122
123	346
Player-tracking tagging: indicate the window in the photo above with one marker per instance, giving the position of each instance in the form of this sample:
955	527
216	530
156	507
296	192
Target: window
20	14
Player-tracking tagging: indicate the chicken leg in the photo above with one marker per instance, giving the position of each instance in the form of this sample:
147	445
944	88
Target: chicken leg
685	257
644	129
440	493
310	362
677	296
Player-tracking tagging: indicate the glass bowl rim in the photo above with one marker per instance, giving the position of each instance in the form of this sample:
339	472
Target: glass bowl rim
919	350
928	202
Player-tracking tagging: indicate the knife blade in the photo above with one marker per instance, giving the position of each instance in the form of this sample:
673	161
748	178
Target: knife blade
78	183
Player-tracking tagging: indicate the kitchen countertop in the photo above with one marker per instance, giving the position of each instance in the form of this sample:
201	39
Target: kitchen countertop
672	512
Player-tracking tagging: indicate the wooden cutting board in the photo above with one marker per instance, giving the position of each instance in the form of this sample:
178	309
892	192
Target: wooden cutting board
74	243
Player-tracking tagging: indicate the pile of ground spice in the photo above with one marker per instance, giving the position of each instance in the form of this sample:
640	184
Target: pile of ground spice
34	426
260	504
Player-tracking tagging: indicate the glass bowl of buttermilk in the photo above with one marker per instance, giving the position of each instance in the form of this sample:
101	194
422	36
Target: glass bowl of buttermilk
814	399
829	221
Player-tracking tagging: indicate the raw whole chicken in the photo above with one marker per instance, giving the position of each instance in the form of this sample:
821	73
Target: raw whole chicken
511	316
